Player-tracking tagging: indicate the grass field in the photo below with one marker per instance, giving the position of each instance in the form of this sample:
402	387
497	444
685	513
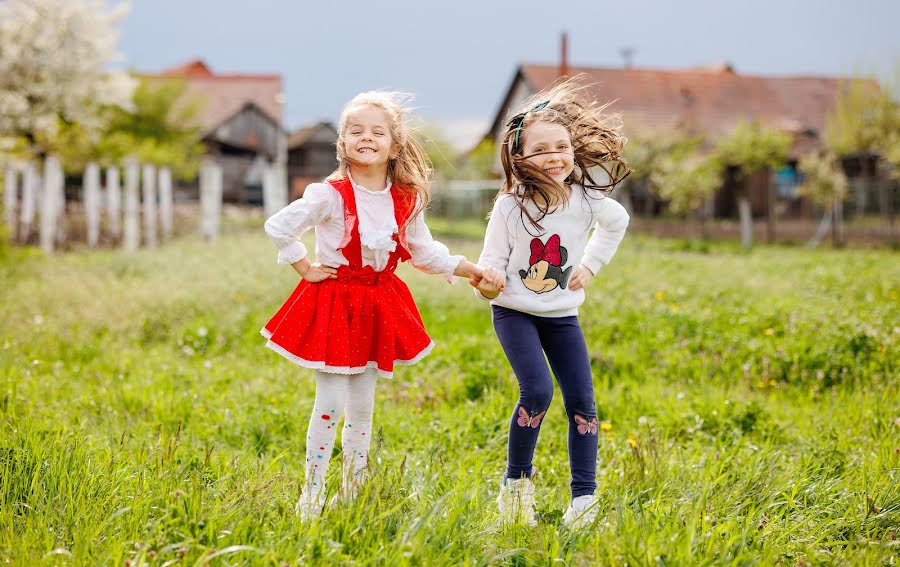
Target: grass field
750	407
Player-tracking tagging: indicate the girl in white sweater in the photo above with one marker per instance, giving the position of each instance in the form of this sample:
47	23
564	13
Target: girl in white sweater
551	229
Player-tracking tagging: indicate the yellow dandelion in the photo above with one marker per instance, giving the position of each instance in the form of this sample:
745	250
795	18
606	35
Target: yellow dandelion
772	382
660	295
606	426
631	441
674	307
769	332
760	384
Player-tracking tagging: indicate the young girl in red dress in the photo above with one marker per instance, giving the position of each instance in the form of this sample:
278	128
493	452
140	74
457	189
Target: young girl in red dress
352	319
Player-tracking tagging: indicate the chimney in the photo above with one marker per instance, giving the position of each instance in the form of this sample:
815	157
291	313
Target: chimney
564	55
627	54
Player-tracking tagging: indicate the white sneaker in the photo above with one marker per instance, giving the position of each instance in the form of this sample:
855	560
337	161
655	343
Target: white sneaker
310	505
581	512
516	501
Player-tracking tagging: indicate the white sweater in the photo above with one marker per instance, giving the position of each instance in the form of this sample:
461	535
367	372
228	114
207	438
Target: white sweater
538	265
322	208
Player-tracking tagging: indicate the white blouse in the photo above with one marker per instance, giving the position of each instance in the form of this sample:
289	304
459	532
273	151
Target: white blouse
322	208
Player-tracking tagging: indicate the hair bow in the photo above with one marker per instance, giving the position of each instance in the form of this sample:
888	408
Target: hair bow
519	119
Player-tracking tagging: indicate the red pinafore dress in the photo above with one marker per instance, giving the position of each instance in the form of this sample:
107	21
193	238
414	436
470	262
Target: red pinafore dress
363	319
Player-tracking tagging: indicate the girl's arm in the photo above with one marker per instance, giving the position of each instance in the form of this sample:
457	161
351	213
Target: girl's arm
609	229
432	257
286	226
497	244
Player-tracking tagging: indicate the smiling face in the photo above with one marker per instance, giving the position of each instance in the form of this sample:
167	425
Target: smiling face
366	137
549	147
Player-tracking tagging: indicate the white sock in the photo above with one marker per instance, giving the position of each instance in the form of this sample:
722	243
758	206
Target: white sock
357	433
331	398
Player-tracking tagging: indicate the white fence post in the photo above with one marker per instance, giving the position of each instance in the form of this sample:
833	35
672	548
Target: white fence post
210	198
59	186
282	190
148	195
113	202
165	202
10	200
269	182
52	205
132	237
31	183
91	201
275	189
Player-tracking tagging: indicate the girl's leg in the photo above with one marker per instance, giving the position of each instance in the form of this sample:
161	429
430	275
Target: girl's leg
357	432
519	338
331	398
564	343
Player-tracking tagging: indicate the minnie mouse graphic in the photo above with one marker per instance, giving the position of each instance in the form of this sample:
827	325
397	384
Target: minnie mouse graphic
545	272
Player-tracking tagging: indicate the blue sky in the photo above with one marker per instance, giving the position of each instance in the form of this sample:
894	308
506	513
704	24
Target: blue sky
458	57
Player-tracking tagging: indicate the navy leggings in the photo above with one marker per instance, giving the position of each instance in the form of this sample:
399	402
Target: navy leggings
525	338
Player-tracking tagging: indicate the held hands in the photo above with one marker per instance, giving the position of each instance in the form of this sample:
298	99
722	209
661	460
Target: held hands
314	273
490	284
581	278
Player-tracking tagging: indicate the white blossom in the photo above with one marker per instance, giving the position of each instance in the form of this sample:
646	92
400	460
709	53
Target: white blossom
55	58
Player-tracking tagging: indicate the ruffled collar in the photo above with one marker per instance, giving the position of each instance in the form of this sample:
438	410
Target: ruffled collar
380	239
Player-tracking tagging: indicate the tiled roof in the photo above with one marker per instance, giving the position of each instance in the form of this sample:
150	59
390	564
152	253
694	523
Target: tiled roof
302	135
225	94
710	100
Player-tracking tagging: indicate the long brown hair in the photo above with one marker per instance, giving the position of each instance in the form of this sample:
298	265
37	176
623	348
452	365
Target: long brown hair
596	142
410	170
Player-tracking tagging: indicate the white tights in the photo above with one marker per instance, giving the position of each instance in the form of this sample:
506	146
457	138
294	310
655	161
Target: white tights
340	395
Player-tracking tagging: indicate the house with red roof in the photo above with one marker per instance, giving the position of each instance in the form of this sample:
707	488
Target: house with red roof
708	101
240	117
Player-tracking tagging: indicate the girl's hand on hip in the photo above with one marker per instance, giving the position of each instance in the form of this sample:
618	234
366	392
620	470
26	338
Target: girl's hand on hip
314	273
582	277
318	272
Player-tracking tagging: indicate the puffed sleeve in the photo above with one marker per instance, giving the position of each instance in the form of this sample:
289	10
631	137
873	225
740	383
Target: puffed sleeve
286	226
609	229
429	255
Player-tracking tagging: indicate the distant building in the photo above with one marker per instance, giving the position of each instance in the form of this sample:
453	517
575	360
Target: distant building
312	156
241	123
710	101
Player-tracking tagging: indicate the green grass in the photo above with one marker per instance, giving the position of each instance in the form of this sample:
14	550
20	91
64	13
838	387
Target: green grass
751	403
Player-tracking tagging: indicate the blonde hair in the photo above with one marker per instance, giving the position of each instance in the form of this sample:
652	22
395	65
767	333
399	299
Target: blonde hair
410	170
596	142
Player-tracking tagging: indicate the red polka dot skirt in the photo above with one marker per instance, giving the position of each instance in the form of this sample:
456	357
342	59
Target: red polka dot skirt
363	319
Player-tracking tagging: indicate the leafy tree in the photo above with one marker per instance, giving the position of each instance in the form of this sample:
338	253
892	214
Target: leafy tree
158	128
752	147
824	183
865	119
440	151
686	183
54	58
482	162
676	169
